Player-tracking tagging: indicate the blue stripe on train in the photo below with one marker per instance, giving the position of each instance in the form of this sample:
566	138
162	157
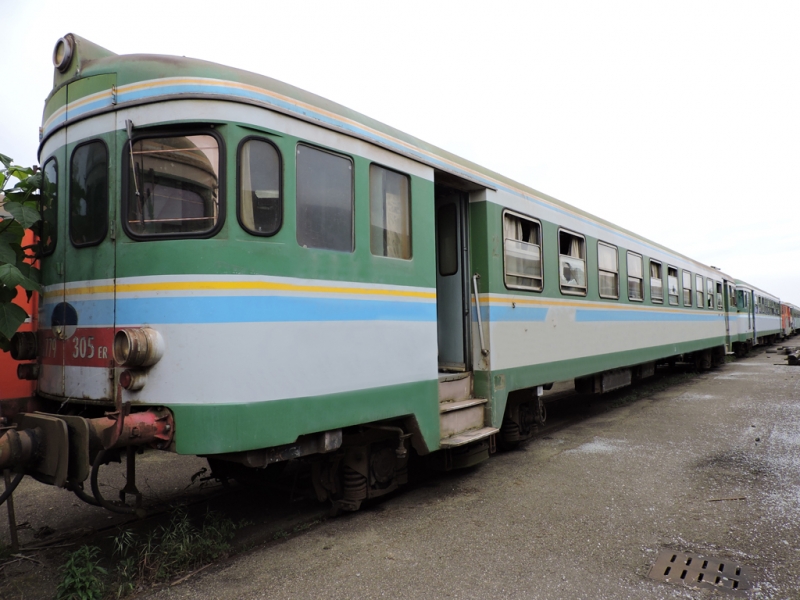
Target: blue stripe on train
255	309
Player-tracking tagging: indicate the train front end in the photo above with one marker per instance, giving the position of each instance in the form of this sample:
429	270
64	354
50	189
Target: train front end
82	359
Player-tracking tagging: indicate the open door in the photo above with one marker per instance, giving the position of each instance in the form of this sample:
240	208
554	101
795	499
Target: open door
452	279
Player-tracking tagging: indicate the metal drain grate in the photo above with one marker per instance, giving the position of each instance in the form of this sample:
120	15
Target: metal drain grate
701	571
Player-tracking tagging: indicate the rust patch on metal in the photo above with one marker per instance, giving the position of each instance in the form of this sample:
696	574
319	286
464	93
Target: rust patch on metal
702	572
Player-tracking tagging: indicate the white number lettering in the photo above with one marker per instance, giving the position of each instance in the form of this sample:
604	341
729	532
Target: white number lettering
76	350
91	347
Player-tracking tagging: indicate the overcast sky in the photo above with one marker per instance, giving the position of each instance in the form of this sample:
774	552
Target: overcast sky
677	120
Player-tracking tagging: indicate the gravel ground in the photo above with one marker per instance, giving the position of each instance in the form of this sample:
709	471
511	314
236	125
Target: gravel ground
708	466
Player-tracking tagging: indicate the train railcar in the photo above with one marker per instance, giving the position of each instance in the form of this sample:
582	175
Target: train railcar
249	272
763	312
792	325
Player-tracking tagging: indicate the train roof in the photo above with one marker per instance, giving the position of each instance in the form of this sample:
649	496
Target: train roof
740	283
142	78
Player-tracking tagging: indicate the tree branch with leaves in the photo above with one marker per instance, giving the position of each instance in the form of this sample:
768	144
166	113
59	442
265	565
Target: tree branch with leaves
19	212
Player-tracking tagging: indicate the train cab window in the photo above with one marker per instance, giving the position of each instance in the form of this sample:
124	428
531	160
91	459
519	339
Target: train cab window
687	288
88	194
522	252
635	277
324	199
740	299
656	283
719	295
608	270
48	207
672	285
173	187
389	213
260	198
732	299
698	280
572	263
709	293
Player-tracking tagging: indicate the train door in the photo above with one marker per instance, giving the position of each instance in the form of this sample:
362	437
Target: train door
730	299
452	279
52	333
87	311
751	314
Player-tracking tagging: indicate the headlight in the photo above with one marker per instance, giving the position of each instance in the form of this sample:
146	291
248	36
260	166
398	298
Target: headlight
62	53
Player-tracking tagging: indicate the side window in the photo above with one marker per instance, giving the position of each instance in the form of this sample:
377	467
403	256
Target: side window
709	293
522	252
687	288
572	263
733	301
656	283
672	285
260	193
698	280
324	200
635	277
719	295
608	270
389	213
173	187
740	302
88	194
48	207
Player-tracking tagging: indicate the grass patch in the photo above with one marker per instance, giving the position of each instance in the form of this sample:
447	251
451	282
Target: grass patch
138	561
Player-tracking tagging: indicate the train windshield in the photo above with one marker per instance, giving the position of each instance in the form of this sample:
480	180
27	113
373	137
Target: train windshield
173	186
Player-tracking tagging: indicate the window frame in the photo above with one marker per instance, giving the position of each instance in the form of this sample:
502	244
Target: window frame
650	262
281	194
710	289
628	274
69	193
51	249
700	294
677	286
720	295
410	210
157	132
538	223
585	260
684	273
599	270
347	157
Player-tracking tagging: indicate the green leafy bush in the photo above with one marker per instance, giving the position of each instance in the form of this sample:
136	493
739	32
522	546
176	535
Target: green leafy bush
83	576
19	211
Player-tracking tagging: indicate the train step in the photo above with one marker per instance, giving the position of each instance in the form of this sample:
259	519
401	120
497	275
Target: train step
459	416
467	437
455	386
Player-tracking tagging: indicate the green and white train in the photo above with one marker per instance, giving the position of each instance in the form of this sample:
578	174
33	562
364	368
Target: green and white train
240	269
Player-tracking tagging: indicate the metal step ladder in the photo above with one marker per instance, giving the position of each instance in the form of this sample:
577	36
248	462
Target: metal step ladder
462	417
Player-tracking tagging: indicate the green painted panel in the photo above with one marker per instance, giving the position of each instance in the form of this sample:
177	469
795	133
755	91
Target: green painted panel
234	251
87	86
212	429
57	100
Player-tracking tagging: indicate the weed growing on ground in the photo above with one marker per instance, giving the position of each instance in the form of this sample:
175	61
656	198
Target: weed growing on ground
178	547
84	578
141	560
